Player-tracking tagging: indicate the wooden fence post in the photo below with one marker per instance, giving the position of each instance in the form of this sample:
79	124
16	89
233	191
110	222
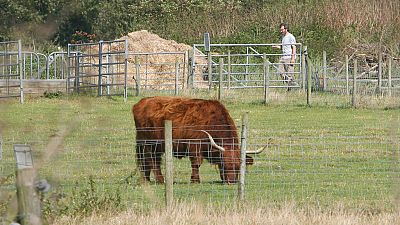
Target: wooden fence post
29	211
243	148
324	85
347	75
185	70
354	94
21	86
379	90
169	177
176	78
266	78
309	70
125	71
209	63
137	75
390	76
220	84
229	69
303	67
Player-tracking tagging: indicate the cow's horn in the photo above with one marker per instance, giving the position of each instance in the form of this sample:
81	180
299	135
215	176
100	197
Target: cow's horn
213	142
257	151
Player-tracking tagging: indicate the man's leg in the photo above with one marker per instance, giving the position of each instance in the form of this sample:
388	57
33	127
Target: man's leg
283	69
290	74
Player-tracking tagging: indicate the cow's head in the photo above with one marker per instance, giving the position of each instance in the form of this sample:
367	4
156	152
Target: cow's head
229	165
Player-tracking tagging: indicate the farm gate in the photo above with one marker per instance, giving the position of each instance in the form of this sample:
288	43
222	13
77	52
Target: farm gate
11	84
98	68
161	71
242	66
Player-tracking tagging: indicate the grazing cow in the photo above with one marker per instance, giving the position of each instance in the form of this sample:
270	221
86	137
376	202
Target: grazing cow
198	125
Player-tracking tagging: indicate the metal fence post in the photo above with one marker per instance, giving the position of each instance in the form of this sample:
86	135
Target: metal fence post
354	97
169	179
243	148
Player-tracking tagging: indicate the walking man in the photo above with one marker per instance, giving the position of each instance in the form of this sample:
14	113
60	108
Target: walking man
288	47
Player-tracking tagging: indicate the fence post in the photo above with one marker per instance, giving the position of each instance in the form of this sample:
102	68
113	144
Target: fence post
77	75
390	76
176	77
137	75
303	67
309	70
220	85
209	63
29	211
191	68
99	82
185	69
169	178
347	75
229	69
243	148
126	71
324	85
266	78
21	86
379	73
1	150
353	99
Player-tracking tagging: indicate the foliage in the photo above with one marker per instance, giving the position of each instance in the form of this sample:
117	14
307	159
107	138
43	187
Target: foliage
80	37
81	201
49	94
322	25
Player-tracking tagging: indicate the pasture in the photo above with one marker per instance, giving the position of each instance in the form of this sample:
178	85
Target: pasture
321	156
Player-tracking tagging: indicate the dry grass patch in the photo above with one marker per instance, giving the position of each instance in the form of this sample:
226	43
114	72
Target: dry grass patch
184	213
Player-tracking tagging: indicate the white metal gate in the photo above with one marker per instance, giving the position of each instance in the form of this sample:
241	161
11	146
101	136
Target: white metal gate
11	84
242	66
98	68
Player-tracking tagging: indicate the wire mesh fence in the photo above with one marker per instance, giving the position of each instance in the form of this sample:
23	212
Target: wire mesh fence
375	75
323	169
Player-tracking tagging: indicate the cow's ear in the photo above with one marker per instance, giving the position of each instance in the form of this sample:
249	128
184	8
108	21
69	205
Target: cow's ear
249	160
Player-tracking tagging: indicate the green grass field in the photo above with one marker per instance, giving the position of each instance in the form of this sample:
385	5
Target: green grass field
324	155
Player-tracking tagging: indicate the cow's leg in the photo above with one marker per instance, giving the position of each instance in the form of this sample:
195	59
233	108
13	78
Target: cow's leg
146	167
156	163
196	163
157	169
142	156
